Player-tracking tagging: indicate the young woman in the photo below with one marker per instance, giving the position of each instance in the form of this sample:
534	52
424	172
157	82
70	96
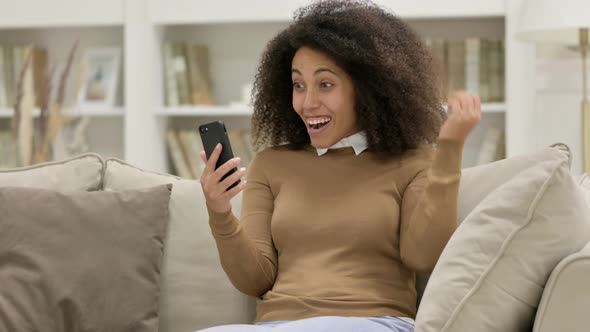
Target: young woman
358	189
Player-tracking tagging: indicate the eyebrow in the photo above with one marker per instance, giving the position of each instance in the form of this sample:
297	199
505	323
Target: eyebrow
319	70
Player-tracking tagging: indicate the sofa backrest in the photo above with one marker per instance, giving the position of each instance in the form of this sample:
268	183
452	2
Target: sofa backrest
83	172
196	293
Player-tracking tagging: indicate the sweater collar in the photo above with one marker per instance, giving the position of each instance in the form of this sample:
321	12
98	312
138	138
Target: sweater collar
357	141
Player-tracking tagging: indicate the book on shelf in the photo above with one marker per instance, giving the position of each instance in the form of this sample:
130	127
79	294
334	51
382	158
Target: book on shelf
241	147
184	148
177	155
200	82
186	74
493	147
473	64
179	61
12	60
455	63
8	156
169	75
191	148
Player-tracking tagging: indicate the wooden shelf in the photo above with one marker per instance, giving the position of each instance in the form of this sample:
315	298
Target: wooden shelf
9	112
493	108
98	112
60	13
90	112
197	110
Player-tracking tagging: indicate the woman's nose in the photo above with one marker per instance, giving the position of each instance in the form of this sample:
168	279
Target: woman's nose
311	99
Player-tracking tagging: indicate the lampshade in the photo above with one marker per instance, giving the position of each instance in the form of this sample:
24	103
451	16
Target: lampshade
554	21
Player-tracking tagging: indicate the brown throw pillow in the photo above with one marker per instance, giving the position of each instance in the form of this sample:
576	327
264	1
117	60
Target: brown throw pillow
81	261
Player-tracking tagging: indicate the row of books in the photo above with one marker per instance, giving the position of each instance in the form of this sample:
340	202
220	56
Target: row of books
473	64
184	147
186	74
12	60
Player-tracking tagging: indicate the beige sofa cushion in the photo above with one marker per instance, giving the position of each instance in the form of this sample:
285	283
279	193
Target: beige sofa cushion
196	291
492	272
81	173
81	261
566	299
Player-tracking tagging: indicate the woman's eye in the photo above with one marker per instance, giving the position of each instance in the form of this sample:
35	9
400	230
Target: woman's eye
297	85
327	85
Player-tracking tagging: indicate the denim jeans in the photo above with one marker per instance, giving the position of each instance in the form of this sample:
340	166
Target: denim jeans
325	324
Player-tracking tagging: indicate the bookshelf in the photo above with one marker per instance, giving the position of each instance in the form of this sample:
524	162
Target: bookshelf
235	33
235	46
55	26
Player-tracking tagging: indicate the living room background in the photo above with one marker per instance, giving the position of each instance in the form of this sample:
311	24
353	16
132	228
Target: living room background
159	97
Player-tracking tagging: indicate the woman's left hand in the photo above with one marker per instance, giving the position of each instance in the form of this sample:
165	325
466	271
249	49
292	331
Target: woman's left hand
464	113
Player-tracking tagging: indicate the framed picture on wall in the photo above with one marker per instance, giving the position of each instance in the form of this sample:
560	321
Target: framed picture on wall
100	70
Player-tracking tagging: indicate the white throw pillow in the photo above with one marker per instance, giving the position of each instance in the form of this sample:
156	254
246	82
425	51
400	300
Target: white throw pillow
491	274
585	185
196	293
479	181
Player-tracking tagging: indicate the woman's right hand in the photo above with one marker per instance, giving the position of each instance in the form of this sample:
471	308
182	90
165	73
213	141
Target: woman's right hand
464	115
216	193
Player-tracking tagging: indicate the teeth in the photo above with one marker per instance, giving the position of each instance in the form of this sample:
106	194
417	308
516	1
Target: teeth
318	121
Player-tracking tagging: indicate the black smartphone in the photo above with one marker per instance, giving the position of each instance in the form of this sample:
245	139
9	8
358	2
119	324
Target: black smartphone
211	134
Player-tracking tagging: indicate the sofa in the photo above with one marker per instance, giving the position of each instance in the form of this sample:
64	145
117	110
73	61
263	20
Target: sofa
194	293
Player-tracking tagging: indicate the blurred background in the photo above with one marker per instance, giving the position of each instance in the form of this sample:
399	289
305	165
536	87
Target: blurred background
133	79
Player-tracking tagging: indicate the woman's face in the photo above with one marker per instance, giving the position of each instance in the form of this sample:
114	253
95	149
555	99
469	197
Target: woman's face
323	96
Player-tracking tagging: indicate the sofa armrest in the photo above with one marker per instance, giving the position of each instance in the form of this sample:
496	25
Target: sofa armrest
566	298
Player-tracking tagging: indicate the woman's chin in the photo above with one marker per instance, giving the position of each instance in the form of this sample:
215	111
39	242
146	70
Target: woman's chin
321	144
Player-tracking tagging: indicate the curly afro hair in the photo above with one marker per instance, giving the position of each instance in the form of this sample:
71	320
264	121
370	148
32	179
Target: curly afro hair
397	96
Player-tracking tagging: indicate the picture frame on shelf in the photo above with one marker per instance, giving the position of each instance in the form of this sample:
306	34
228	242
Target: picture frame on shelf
100	72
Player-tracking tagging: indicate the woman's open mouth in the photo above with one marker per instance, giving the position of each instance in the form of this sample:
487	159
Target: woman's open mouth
316	124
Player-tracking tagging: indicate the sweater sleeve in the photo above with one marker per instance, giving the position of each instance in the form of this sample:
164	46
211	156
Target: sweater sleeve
245	248
430	206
